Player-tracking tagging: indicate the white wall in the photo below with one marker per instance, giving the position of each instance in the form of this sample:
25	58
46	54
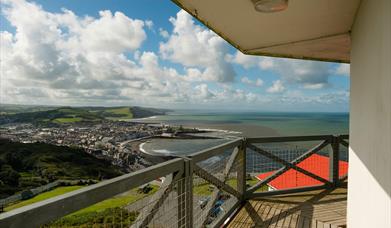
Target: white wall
369	202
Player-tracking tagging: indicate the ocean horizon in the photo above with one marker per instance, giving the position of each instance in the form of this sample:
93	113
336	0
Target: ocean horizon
243	124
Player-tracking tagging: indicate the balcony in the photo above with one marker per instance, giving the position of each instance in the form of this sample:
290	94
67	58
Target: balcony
263	182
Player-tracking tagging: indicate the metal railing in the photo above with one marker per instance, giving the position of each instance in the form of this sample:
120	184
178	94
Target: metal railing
207	187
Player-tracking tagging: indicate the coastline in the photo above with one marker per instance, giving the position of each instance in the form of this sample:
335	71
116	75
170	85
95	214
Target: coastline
225	131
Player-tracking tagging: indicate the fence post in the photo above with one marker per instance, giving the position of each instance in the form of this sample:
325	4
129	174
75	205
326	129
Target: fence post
185	196
334	161
241	171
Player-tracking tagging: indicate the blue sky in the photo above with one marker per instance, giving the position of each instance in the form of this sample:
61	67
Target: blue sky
148	53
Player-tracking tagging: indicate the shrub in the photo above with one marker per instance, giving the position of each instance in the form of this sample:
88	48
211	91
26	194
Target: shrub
27	194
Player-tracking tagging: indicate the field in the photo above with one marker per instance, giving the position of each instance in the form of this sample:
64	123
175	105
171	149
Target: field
121	112
46	195
67	120
49	116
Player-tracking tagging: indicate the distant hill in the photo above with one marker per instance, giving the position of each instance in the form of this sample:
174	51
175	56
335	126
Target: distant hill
28	165
64	115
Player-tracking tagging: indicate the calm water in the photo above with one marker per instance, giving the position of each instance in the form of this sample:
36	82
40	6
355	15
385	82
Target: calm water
248	123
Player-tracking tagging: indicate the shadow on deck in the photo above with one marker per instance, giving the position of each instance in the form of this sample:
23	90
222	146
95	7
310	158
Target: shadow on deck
320	208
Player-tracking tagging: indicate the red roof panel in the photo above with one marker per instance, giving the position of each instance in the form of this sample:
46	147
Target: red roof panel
316	164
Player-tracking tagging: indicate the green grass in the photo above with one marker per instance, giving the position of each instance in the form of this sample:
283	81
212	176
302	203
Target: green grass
123	113
117	201
97	213
67	120
46	195
87	214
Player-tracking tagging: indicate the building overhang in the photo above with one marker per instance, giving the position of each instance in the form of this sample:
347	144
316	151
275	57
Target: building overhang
307	29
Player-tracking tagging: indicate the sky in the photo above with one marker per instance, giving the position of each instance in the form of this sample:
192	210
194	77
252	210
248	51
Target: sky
148	53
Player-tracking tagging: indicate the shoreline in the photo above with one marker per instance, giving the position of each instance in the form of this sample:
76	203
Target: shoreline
230	131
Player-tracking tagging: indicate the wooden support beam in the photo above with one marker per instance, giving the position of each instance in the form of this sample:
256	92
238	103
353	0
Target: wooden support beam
287	191
343	137
284	169
289	139
185	196
166	190
344	143
217	192
230	163
334	161
287	164
215	181
209	206
241	171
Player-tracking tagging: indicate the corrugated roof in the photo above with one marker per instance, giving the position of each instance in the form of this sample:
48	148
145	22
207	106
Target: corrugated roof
316	164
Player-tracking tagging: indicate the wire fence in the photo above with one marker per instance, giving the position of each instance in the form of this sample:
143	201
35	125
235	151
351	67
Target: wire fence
261	167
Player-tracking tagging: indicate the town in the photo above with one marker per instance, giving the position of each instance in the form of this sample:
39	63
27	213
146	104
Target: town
116	141
105	140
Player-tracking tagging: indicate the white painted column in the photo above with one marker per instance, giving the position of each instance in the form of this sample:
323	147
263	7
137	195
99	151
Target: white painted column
369	200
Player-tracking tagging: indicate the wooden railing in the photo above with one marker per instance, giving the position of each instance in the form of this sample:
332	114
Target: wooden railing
180	176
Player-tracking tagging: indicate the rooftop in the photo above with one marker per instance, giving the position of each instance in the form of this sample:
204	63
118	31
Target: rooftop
317	164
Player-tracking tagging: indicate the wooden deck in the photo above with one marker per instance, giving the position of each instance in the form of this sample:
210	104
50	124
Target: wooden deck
321	208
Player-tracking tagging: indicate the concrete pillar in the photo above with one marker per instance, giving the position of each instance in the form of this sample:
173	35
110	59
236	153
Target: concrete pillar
369	202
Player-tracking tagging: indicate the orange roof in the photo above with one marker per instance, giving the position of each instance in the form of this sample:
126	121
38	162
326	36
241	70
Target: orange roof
316	164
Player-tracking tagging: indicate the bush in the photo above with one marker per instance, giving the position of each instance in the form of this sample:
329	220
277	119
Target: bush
9	176
27	194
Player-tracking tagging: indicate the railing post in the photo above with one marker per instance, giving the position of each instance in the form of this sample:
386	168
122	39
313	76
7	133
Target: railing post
241	170
334	161
185	196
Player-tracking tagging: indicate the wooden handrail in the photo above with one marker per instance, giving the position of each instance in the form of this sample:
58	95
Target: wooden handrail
45	211
290	139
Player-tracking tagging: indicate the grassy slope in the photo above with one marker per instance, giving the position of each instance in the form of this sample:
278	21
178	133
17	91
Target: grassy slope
46	195
89	214
40	163
122	112
67	120
66	115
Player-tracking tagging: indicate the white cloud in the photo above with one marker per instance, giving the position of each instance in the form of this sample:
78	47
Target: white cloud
197	47
62	58
203	92
247	61
343	69
149	24
266	63
308	74
277	87
258	82
163	33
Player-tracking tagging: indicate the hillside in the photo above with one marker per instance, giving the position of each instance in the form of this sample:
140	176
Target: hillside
68	115
24	166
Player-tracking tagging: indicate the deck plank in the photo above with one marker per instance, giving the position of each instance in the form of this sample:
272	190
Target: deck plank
321	208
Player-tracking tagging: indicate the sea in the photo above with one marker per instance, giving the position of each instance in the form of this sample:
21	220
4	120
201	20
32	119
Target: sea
226	126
